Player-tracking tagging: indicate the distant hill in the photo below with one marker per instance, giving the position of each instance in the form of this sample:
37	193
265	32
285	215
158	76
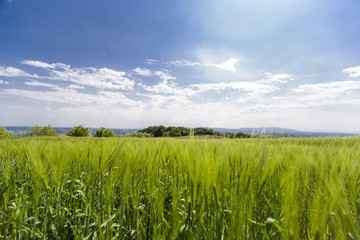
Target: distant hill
18	131
296	133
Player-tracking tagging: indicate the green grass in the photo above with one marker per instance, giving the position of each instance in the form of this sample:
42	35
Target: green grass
128	188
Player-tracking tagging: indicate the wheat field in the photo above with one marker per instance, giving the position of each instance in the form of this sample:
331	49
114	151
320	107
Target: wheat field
166	188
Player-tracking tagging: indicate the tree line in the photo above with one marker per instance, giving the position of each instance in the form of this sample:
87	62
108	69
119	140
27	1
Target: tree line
151	131
162	131
47	131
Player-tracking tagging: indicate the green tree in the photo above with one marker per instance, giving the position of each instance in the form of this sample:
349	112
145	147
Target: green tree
230	135
4	133
104	132
173	131
42	131
78	131
156	131
242	135
184	131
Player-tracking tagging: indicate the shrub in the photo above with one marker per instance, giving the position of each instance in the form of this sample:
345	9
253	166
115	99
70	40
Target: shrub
4	133
78	131
104	132
41	131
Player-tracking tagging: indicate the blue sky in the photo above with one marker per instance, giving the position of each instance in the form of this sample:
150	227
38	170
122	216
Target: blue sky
229	63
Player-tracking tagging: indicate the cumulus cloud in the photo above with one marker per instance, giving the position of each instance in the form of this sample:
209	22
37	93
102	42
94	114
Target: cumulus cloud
14	72
353	72
102	78
143	72
169	87
165	75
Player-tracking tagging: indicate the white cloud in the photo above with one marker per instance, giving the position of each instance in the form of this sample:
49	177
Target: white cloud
228	65
165	75
14	72
169	87
277	78
184	63
151	61
102	78
41	84
39	64
245	86
166	102
2	82
143	72
353	71
332	88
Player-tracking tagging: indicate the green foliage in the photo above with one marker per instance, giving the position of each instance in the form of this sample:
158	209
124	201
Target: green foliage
128	188
161	131
78	131
140	135
242	135
230	135
104	132
42	131
4	133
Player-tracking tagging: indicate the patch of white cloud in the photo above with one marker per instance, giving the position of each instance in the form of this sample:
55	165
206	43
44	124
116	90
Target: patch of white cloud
152	61
254	89
41	84
2	82
168	87
227	65
271	78
143	72
164	75
14	72
353	72
102	78
39	64
326	91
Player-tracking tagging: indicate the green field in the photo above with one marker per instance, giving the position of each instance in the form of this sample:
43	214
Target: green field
129	188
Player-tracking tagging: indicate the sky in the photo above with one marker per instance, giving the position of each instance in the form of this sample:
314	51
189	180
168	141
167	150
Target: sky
193	63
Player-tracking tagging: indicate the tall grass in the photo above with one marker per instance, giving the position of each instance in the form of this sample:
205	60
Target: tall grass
71	188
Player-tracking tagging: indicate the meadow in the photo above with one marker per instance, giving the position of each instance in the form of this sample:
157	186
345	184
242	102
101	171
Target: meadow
162	188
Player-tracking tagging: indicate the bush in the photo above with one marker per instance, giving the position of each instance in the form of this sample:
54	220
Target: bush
41	131
4	133
104	132
78	131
